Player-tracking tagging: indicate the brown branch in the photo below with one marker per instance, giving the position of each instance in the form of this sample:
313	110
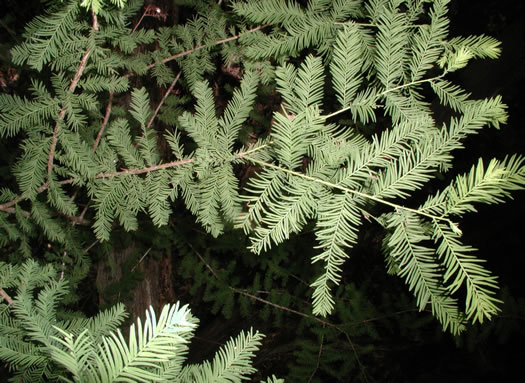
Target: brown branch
7	205
199	47
146	170
104	122
138	23
6	296
162	101
71	89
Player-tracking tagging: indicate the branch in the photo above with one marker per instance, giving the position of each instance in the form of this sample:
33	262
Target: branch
387	91
7	206
162	101
345	189
318	359
7	298
146	170
240	292
71	89
104	122
199	47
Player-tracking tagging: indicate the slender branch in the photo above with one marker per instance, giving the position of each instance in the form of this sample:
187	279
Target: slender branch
254	297
140	260
6	296
76	220
342	110
345	189
146	170
166	94
72	87
7	206
104	122
199	47
361	367
140	20
318	359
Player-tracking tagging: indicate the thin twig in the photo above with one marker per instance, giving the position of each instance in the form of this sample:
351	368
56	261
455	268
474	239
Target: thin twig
254	297
347	324
140	20
146	170
6	296
141	259
199	47
318	359
361	367
104	122
72	87
91	245
166	94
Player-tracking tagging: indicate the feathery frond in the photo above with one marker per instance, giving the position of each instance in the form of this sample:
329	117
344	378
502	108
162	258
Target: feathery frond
346	64
417	264
45	35
338	219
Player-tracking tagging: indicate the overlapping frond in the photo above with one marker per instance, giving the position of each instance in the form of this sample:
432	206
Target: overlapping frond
480	46
284	215
46	35
265	186
30	171
118	198
270	11
201	126
465	269
239	108
481	185
347	64
232	363
119	137
312	31
427	42
76	154
450	94
292	135
417	264
158	190
338	220
114	359
21	114
391	51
